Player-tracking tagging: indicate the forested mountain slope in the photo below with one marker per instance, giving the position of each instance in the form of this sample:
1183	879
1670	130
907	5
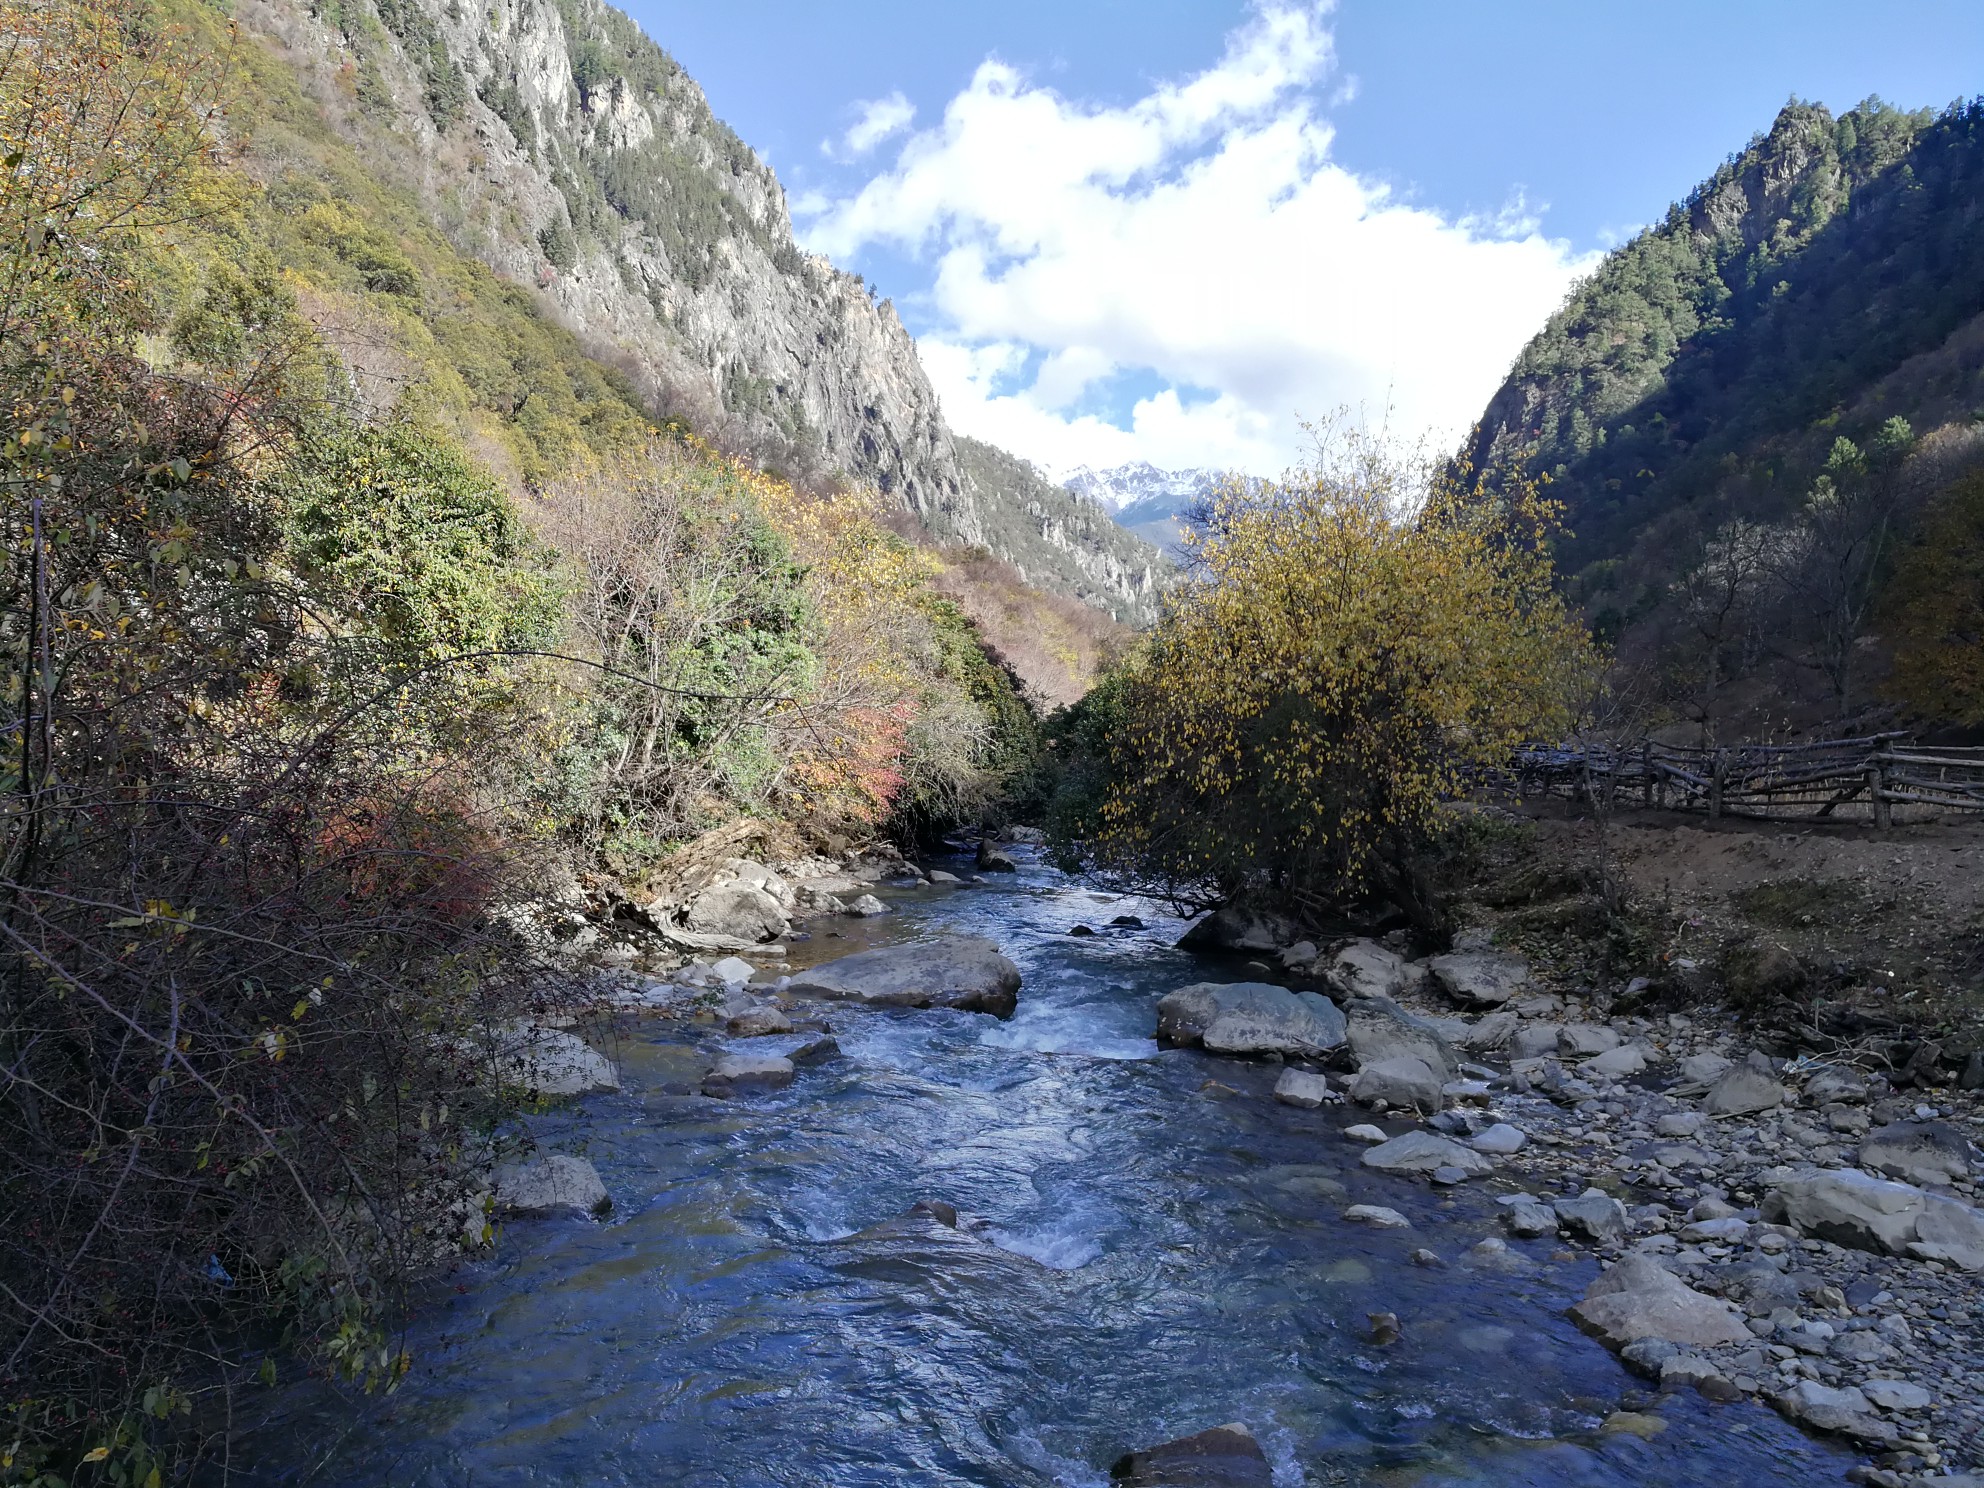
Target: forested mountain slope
1717	405
554	142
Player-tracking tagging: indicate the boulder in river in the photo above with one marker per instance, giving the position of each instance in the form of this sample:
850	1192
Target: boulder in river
1250	1018
1423	1152
1378	1029
1595	1214
552	1064
1407	1082
1224	1457
953	971
1480	979
551	1184
759	1019
1640	1298
1236	929
1304	1088
992	859
735	1073
1924	1152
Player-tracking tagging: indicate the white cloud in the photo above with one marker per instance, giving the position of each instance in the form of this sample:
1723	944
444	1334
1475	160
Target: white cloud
880	119
1200	235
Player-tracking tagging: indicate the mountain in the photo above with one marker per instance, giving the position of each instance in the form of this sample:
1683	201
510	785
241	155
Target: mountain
1144	499
553	141
1768	390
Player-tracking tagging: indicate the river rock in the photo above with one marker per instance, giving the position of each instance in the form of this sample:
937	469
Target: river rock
1479	979
1835	1084
1405	1082
865	907
1303	1088
759	1020
1594	1214
1639	1298
1224	1457
737	910
1703	1069
1847	1207
1486	1035
1582	1040
1824	1408
953	971
553	1183
1378	1029
1531	1221
992	860
1367	1134
1301	954
1250	1018
1499	1140
1235	929
1366	969
1923	1152
1743	1091
1680	1124
1377	1216
737	1073
1896	1395
1424	1151
552	1064
733	971
1534	1041
1616	1064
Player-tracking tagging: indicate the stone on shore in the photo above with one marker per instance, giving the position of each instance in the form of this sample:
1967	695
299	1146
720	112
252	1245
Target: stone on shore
1616	1064
1303	1088
738	910
1423	1152
1639	1298
552	1064
1844	1410
1378	1029
1405	1082
1920	1152
1531	1221
1582	1040
1366	969
1250	1018
1847	1207
759	1020
866	907
1224	1457
738	1073
1499	1140
954	971
1743	1091
1479	979
551	1184
1596	1215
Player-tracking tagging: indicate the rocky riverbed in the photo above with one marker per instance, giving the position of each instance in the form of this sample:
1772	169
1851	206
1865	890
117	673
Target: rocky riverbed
894	1221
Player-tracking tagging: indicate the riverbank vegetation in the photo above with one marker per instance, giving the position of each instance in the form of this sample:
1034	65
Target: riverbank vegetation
1353	640
342	601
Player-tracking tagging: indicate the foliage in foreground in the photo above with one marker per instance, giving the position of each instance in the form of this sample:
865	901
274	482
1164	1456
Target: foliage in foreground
292	685
1348	651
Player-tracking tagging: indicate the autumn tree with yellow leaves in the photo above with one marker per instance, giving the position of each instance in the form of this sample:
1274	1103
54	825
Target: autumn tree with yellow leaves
1354	640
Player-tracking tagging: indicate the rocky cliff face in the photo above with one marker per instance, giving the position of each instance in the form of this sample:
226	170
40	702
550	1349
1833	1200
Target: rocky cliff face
558	144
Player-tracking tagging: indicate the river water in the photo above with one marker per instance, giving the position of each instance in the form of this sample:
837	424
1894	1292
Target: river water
1158	1255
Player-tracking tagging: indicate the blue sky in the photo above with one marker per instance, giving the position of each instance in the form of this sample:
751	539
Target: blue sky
1169	230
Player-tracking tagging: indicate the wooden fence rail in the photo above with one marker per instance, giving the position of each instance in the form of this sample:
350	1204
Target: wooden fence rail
1867	776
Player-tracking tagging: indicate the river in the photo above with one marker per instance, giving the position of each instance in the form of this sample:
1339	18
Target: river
1161	1255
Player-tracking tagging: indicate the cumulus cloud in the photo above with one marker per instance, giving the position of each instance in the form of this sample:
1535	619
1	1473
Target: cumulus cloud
879	119
1200	237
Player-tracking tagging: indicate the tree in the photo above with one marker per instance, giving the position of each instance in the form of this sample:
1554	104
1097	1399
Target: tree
1719	595
1359	638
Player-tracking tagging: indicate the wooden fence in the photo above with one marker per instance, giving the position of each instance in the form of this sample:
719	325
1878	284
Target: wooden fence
1865	777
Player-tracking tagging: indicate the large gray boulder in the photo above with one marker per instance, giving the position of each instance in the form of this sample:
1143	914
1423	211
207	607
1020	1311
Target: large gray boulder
1406	1082
738	1073
1235	929
1366	969
1639	1298
1480	979
550	1064
1303	1088
1743	1091
737	910
1925	1152
1250	1018
1378	1029
1224	1457
1424	1151
953	971
549	1185
1595	1214
1856	1209
1846	1411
